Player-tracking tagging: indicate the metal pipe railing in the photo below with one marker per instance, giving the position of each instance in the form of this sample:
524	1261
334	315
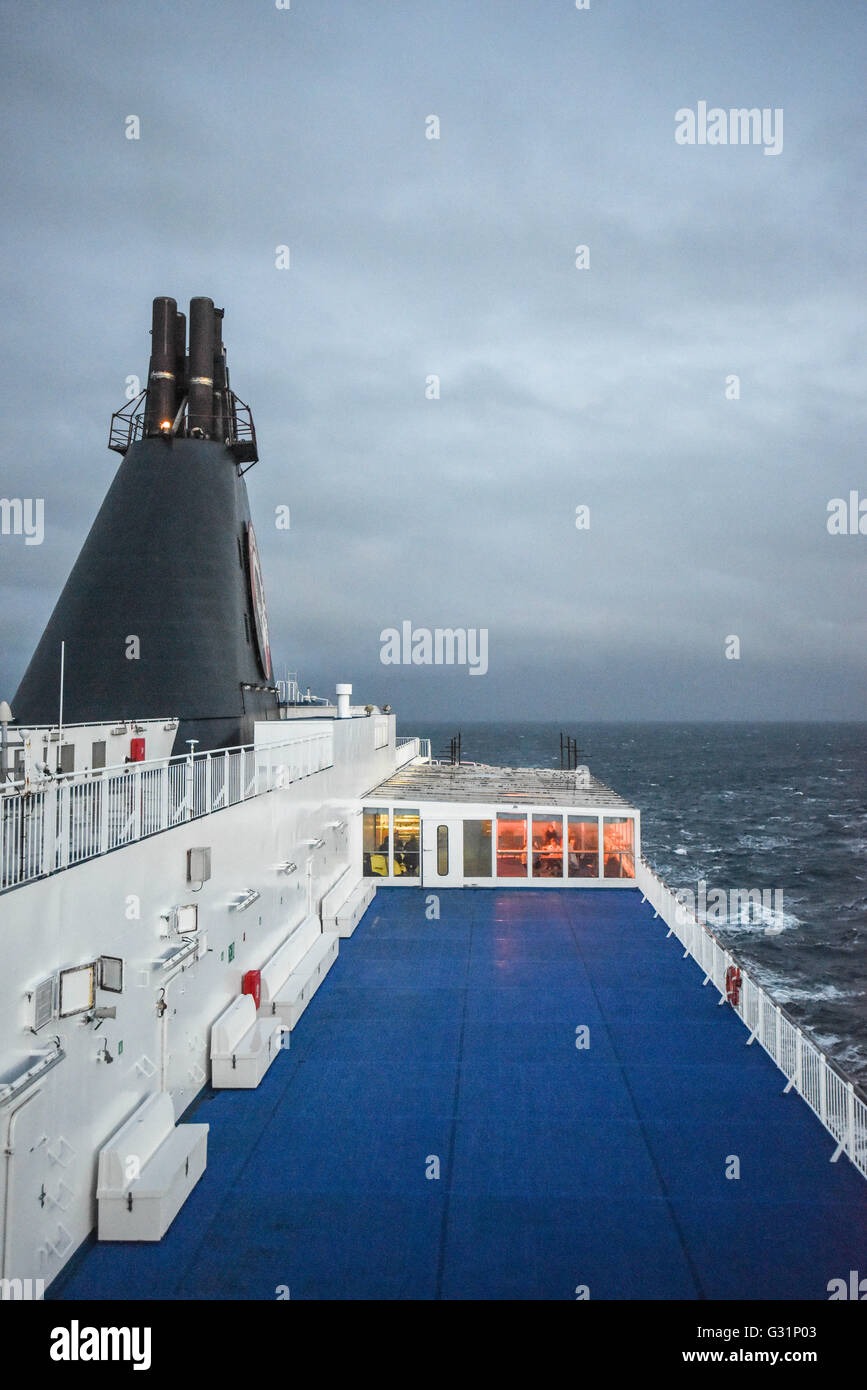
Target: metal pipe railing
54	823
808	1070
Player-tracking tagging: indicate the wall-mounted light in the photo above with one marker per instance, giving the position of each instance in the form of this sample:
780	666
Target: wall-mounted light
313	844
287	868
179	955
186	918
244	900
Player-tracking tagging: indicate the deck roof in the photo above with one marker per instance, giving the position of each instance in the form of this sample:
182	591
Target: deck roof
481	783
558	1166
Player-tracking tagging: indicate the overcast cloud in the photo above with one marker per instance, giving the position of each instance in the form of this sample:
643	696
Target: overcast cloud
409	257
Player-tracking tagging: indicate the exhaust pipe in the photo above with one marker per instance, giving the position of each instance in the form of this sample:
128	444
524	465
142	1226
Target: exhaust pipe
180	359
201	379
162	382
221	379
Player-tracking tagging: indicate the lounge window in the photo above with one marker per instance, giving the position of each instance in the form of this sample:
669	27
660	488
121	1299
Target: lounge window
442	850
547	847
477	849
619	847
374	843
583	855
511	846
405	838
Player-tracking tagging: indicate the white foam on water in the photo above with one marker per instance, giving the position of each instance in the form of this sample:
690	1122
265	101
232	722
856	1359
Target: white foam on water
755	917
764	841
784	993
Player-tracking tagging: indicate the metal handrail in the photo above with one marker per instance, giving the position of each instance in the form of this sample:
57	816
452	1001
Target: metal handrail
55	823
830	1094
421	749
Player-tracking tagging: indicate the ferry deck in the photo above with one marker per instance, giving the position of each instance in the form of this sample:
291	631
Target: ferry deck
434	1131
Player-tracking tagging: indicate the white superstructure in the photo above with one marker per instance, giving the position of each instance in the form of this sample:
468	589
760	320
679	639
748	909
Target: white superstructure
135	900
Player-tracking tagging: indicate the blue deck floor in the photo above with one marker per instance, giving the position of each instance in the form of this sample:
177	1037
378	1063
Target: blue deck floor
559	1167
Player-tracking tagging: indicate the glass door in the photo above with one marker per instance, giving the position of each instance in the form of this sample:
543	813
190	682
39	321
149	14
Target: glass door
442	852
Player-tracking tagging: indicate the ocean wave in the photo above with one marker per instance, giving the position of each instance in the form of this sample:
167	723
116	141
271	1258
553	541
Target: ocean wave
757	917
818	994
764	842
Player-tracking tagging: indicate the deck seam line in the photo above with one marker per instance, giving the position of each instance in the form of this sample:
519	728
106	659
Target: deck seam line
644	1135
444	1228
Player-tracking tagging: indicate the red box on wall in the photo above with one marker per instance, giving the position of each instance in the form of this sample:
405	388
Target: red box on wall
136	750
252	984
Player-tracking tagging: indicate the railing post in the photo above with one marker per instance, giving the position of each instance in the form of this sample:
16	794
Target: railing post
64	826
777	1038
208	787
823	1089
164	795
799	1062
104	785
850	1120
188	788
136	804
49	829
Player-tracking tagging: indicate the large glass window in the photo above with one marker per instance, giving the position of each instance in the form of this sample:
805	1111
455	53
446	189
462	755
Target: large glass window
511	846
477	849
405	838
583	851
619	847
375	842
547	847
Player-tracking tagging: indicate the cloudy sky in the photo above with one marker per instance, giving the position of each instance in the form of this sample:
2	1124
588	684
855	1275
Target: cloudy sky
603	387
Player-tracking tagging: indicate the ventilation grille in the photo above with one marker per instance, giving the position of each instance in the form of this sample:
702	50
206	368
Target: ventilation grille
43	1004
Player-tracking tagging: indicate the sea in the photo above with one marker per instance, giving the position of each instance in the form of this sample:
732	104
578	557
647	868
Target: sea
775	807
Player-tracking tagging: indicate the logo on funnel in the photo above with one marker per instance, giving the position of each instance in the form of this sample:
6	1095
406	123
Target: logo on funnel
257	592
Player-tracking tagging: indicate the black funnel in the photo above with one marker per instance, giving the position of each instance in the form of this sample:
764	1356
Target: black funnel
163	613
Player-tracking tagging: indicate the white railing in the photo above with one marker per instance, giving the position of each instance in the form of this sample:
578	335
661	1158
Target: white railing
407	749
806	1067
51	825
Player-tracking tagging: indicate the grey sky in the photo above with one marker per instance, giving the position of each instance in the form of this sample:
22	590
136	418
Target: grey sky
456	256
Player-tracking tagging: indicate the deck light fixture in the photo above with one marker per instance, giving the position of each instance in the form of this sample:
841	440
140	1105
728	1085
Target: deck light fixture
244	900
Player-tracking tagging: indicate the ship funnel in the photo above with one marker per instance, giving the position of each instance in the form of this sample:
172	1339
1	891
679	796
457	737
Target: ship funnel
165	606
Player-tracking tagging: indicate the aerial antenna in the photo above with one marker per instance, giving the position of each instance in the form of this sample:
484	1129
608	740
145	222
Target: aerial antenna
60	717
